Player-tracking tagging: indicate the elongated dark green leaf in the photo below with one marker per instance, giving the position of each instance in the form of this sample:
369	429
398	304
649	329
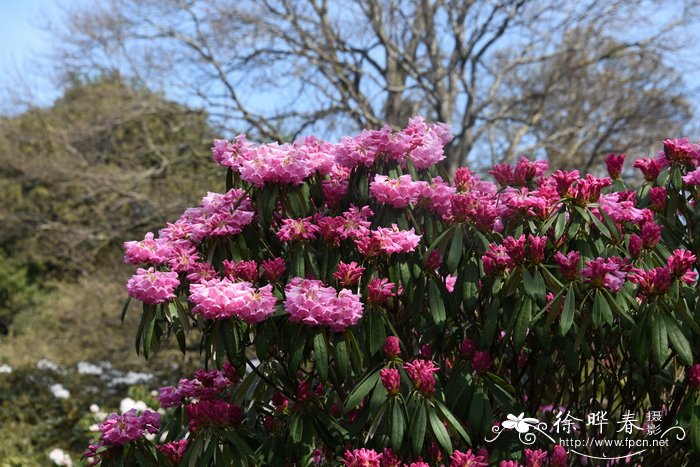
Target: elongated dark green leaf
611	225
522	322
601	310
659	339
321	356
452	420
377	332
398	424
437	307
602	228
149	330
361	391
125	307
341	359
567	314
678	340
560	226
418	425
441	435
695	423
455	250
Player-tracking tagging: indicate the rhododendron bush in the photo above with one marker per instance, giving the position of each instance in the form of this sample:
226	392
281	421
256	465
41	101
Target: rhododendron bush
353	305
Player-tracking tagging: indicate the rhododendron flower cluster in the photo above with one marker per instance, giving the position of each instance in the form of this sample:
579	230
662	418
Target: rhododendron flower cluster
221	298
353	305
310	302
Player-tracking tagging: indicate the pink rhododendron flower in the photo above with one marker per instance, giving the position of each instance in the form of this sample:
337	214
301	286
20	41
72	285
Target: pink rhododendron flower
148	250
273	268
568	264
122	429
309	302
439	196
655	281
535	248
496	259
379	290
174	450
246	271
467	348
564	181
229	154
587	190
467	459
604	273
362	458
222	298
526	170
427	142
651	168
657	198
389	241
422	373
348	274
297	229
694	376
354	222
509	464
692	178
680	263
635	245
152	287
619	208
434	260
614	162
398	193
558	457
503	173
392	348
481	363
450	282
651	234
213	413
535	458
391	380
682	151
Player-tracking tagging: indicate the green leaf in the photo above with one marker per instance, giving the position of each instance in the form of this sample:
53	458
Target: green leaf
560	226
678	340
522	323
437	307
361	390
321	356
125	307
695	424
455	250
398	424
149	330
418	425
659	339
341	360
452	420
567	314
601	310
601	227
441	435
377	333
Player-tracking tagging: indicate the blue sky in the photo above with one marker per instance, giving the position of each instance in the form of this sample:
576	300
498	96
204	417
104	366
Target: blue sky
20	28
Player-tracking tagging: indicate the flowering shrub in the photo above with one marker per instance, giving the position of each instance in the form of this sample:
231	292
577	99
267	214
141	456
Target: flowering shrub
396	316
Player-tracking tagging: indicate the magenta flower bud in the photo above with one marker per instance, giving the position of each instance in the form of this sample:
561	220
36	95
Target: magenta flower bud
535	248
481	362
422	373
466	348
535	458
614	164
558	457
433	261
392	348
273	268
635	245
426	351
467	459
568	264
657	198
391	380
348	274
174	450
694	378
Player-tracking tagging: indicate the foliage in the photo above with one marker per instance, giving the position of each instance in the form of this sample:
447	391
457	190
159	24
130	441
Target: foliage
401	314
99	164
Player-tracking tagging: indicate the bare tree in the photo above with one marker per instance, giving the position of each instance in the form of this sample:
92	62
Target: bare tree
278	68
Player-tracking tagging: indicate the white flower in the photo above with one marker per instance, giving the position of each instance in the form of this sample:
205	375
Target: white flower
94	427
45	364
94	408
60	457
521	424
130	379
128	403
87	368
59	391
5	369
